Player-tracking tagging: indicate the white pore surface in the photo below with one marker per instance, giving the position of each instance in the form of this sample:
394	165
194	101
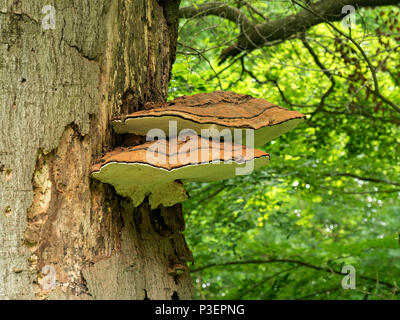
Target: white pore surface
142	125
138	180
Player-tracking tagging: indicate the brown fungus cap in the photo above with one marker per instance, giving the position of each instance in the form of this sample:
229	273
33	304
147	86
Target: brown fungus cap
217	110
156	168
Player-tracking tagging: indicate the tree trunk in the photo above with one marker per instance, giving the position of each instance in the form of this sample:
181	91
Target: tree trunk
59	88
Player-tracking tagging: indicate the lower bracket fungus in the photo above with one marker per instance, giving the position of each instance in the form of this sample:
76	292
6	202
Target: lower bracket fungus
157	169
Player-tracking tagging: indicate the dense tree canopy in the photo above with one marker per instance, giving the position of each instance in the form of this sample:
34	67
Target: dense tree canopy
330	196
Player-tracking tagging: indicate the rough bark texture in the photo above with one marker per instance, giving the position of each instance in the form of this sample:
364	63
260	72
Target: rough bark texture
59	88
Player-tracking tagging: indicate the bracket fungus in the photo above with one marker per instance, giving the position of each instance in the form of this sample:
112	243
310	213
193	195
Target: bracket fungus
217	110
157	168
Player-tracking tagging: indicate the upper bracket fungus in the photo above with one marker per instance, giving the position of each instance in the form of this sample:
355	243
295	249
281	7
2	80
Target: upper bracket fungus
205	112
155	168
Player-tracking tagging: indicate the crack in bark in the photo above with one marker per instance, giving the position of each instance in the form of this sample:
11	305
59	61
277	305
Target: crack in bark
80	51
20	14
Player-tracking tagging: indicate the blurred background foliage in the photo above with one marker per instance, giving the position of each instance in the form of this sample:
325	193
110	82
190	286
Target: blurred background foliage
330	196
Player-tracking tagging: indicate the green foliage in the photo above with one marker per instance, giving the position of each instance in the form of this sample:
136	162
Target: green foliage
331	194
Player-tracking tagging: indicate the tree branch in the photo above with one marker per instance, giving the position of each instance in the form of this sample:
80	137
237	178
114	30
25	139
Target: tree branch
327	73
253	35
293	261
219	9
376	90
369	179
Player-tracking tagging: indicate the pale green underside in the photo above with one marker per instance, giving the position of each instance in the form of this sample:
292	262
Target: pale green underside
142	125
137	180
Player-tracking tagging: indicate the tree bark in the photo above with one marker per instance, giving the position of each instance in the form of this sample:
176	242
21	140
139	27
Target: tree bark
59	88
